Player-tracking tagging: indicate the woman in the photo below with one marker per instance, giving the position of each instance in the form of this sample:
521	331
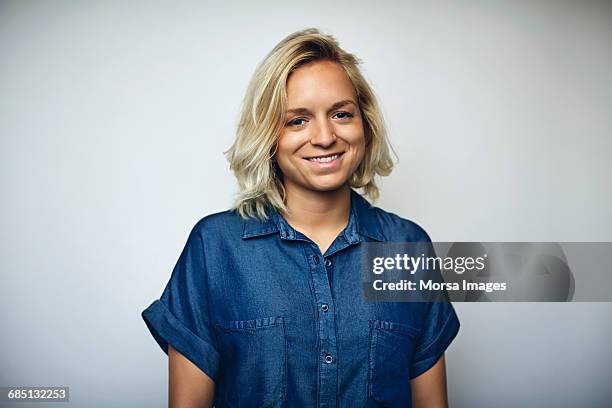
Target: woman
264	306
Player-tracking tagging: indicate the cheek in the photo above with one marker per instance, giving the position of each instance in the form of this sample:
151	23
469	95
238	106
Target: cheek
287	146
353	134
359	149
360	154
283	146
356	138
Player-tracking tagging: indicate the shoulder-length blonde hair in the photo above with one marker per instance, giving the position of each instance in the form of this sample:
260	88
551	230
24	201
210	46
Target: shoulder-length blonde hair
262	118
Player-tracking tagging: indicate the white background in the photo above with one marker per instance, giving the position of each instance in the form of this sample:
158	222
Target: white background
114	117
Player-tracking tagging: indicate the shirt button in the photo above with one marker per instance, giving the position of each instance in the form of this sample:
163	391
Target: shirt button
324	307
327	262
328	359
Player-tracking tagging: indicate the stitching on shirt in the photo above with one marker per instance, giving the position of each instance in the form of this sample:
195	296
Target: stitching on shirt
214	335
435	339
316	315
182	325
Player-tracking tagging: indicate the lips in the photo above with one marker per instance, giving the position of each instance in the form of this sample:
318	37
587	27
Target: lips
324	158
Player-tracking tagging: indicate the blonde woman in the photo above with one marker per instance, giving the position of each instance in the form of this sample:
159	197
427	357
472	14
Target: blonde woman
264	306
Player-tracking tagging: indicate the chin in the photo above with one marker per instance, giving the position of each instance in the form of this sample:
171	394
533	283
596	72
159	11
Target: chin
327	185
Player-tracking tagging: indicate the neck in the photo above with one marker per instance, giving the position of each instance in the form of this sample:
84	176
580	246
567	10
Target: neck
318	210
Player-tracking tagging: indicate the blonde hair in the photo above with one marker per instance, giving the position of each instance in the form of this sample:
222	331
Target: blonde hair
262	116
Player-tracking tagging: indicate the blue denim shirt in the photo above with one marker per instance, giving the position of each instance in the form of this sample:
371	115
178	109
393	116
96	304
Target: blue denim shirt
257	307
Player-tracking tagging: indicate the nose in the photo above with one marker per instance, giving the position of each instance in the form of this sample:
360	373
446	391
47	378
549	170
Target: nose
323	134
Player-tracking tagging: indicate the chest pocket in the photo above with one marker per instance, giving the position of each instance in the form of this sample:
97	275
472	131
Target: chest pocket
253	363
391	349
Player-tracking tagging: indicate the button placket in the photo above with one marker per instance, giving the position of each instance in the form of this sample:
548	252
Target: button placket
326	326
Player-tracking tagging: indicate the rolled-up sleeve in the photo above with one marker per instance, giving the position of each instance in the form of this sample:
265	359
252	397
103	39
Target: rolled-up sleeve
180	317
440	326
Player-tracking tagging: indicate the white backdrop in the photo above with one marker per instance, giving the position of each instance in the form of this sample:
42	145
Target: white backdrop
114	116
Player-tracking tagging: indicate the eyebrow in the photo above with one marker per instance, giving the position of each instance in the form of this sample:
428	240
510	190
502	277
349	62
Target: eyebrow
304	111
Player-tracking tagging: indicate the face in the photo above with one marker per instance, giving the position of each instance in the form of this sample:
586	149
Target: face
322	141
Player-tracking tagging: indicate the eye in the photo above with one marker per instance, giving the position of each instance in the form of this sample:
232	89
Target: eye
297	122
344	115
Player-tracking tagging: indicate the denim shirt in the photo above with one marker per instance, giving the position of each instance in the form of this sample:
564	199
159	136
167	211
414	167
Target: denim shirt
275	323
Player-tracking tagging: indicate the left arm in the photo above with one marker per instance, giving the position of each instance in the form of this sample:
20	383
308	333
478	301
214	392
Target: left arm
429	389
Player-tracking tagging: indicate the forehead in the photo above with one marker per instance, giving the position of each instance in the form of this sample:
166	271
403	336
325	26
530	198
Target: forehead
318	82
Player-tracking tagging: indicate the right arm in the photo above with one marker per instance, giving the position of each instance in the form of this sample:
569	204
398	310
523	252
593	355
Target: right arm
188	385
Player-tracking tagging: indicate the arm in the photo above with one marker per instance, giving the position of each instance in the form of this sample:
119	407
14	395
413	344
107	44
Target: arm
188	385
429	388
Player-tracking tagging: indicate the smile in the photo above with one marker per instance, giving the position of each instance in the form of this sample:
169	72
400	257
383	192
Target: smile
324	158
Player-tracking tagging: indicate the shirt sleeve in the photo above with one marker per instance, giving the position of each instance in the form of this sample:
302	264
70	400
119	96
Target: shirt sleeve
180	317
440	326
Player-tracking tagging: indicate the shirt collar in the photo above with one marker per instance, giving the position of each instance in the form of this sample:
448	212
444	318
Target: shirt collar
363	221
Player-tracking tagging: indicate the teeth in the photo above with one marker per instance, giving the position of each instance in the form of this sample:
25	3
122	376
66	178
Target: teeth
324	159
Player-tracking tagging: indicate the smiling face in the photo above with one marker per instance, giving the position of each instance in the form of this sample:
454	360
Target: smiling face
322	141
